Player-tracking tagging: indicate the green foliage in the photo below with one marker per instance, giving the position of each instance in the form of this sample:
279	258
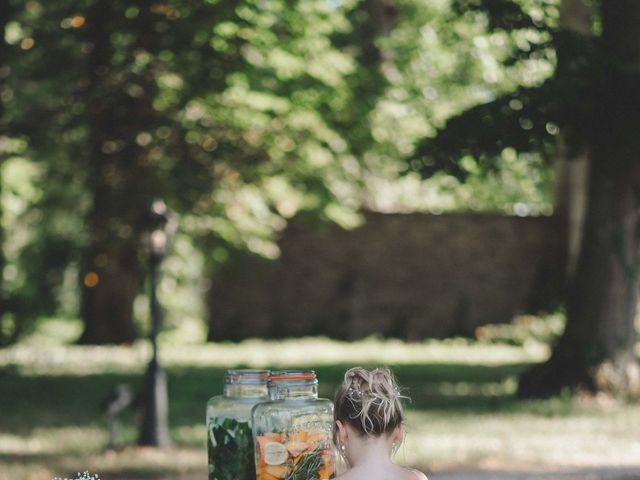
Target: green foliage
276	150
457	61
244	114
524	117
42	196
577	100
520	121
41	199
223	109
510	15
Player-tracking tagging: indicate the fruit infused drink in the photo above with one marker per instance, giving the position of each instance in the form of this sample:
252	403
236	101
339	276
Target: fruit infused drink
293	430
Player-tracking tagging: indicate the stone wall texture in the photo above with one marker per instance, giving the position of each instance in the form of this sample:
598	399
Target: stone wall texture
410	276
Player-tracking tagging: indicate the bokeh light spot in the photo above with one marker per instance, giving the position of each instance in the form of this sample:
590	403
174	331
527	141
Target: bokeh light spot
27	43
77	21
91	279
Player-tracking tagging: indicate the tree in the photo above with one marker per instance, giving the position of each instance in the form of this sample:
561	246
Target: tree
594	99
122	75
39	221
208	104
74	92
596	351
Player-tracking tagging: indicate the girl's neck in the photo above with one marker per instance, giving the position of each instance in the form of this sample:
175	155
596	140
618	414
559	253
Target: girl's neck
370	451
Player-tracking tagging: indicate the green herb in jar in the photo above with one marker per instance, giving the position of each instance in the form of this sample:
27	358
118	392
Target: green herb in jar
230	449
310	466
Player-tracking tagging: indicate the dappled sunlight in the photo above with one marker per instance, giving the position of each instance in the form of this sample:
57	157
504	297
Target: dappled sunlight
304	352
462	409
520	439
21	445
461	414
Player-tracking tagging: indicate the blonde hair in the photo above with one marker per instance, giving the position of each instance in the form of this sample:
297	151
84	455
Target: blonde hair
369	401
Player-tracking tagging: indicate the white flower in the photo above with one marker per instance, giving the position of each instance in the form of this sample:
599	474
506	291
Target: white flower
81	476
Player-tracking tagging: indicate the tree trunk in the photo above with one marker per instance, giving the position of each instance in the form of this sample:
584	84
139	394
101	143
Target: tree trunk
110	278
121	179
572	161
109	287
596	351
570	196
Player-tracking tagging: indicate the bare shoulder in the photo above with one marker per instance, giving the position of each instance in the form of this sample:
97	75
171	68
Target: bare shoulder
348	475
419	475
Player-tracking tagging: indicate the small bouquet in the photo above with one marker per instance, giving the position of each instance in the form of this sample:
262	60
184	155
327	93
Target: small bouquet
81	476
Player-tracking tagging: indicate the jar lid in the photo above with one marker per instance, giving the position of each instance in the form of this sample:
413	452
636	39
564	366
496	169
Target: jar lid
290	375
246	376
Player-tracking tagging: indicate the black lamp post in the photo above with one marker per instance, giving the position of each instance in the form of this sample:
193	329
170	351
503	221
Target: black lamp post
155	422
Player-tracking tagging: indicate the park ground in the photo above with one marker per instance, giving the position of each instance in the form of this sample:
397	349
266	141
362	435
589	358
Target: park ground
464	422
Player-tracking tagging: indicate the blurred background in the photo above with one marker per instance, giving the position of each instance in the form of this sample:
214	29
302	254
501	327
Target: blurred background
447	187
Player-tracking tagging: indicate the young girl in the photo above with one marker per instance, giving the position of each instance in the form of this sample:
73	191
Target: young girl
370	426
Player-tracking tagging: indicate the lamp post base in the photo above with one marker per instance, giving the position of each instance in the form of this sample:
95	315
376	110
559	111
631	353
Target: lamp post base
155	423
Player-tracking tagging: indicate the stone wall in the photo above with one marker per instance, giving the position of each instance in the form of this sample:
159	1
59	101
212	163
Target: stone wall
410	276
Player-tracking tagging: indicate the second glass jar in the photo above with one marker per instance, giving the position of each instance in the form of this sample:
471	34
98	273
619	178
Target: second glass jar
292	431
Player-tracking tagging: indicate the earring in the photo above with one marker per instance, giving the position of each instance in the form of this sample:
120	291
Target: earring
394	447
343	447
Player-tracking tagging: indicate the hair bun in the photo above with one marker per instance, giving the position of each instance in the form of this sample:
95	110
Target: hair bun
371	398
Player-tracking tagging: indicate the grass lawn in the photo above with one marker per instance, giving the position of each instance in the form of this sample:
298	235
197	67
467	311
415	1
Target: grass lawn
463	413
